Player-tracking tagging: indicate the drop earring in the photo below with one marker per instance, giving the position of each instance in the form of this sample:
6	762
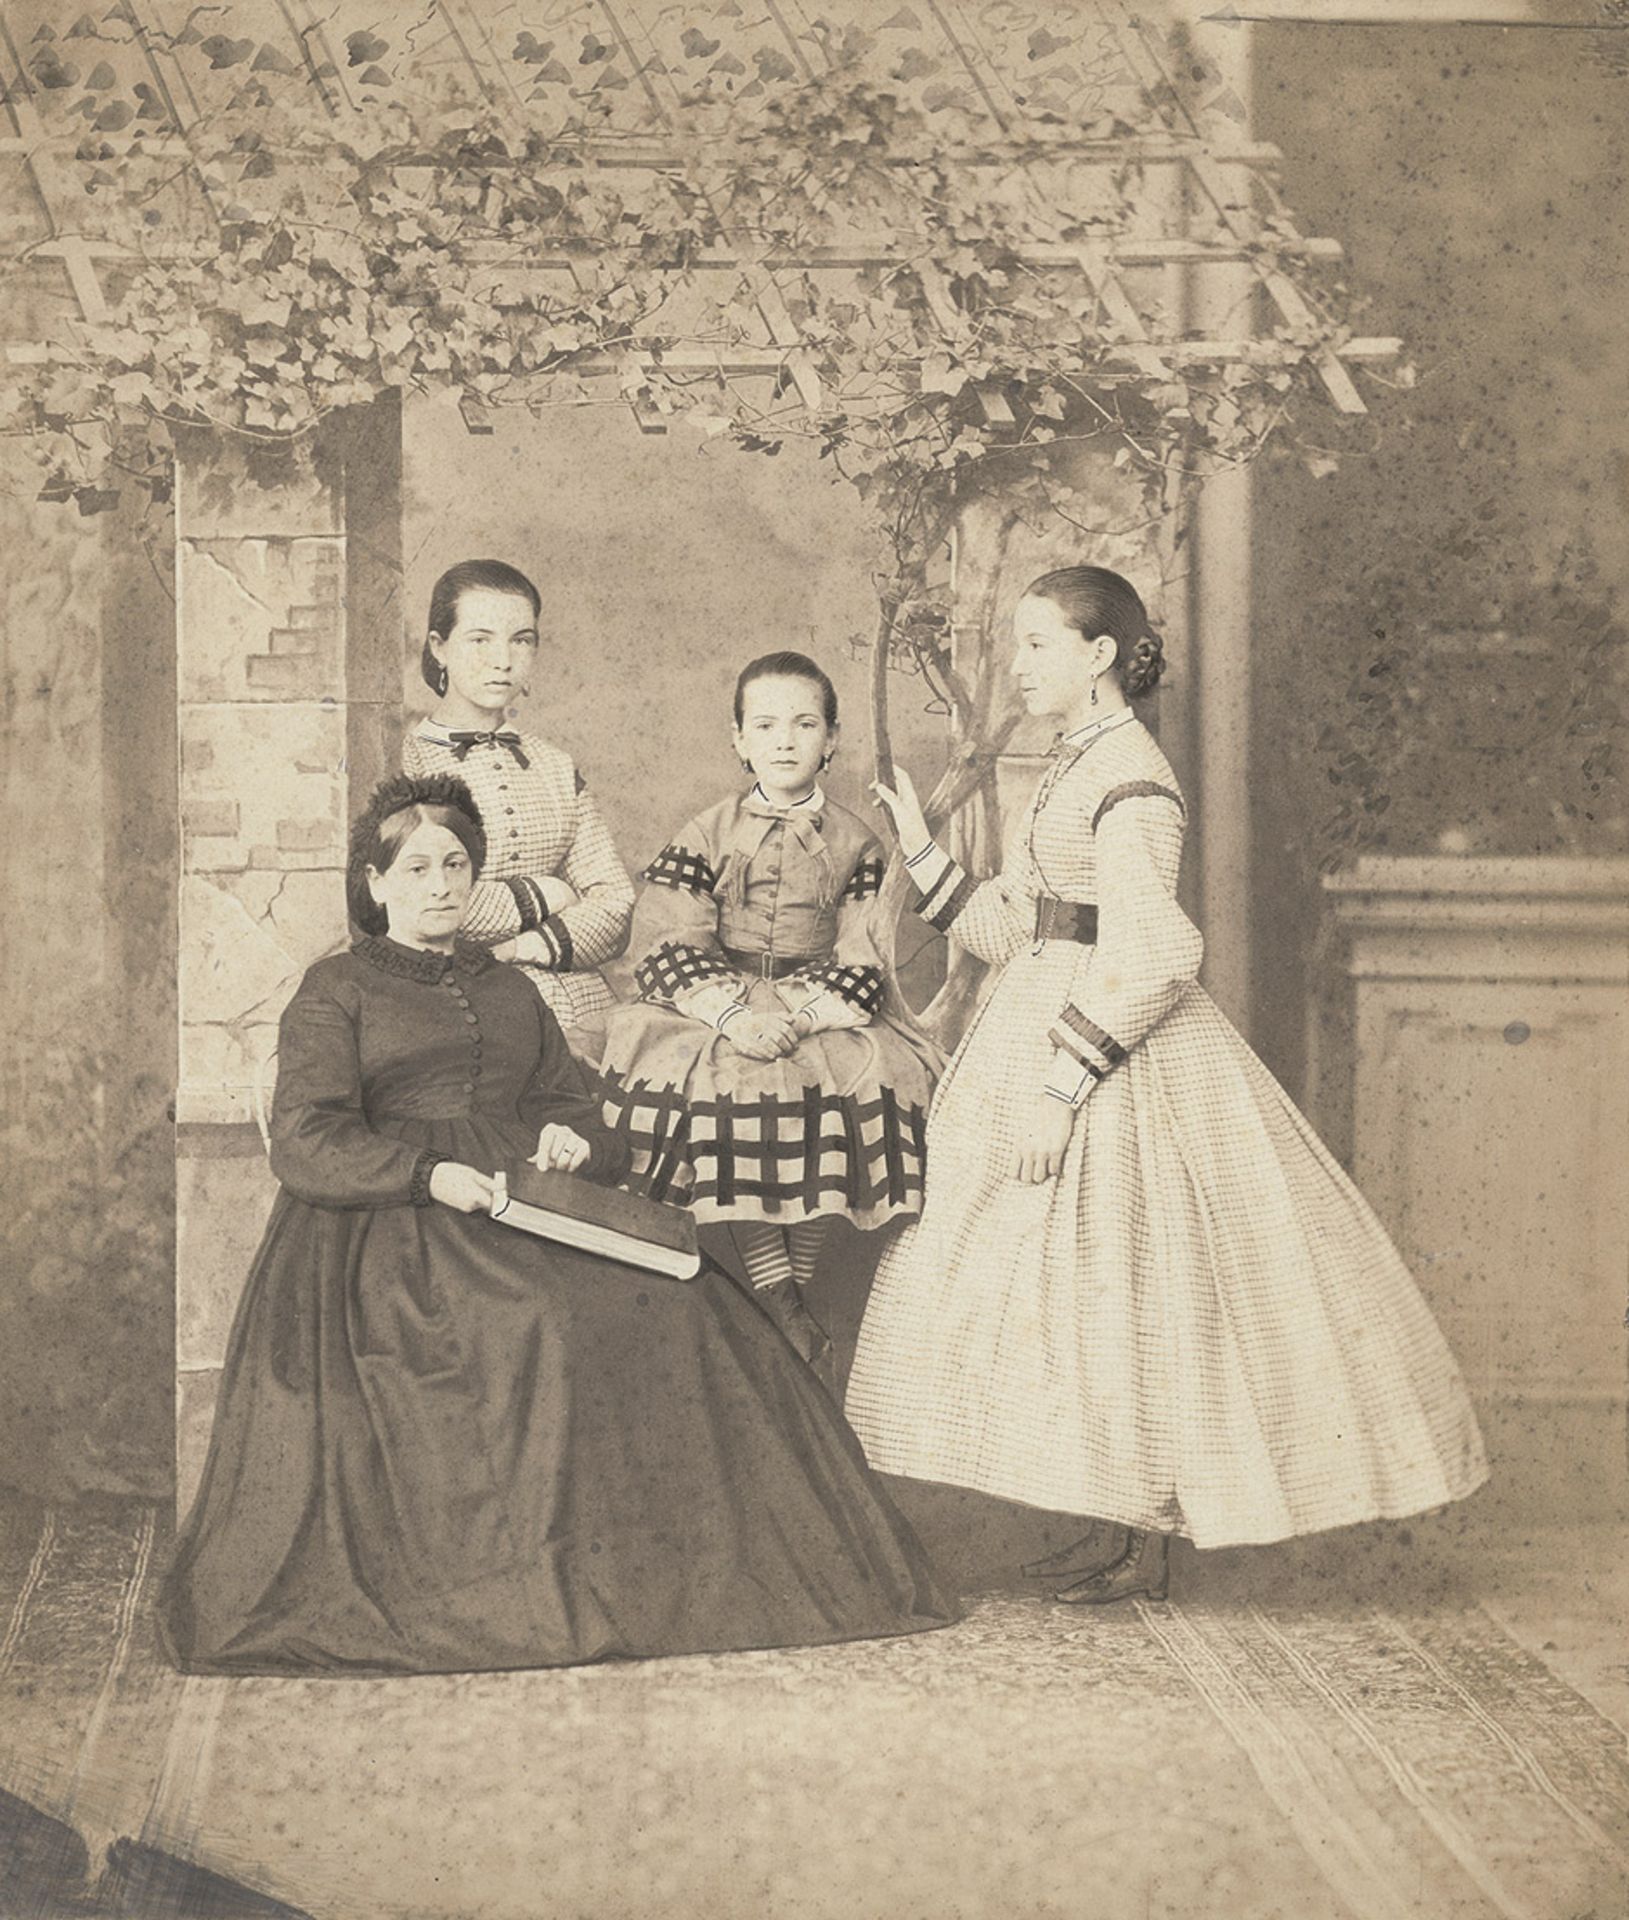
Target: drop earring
825	762
1094	692
441	680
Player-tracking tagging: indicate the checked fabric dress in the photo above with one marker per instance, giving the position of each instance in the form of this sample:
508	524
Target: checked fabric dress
541	823
755	906
1200	1326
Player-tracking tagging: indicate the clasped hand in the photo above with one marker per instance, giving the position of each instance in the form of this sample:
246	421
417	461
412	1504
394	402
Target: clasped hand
765	1036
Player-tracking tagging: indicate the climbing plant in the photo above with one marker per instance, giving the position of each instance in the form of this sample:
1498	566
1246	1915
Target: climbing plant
914	293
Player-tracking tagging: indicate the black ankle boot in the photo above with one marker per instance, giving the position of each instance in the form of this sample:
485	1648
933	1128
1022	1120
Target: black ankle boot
1143	1570
1099	1547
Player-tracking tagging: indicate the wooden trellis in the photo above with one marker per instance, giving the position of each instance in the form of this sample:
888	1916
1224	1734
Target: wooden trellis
172	69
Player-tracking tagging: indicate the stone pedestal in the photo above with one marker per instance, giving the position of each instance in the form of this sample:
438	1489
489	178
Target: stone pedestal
289	637
1490	1129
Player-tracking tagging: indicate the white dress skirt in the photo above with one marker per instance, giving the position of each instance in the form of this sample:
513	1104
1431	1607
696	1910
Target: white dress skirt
1200	1326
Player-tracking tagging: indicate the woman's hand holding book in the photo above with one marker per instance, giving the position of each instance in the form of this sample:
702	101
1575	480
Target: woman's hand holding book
460	1187
559	1150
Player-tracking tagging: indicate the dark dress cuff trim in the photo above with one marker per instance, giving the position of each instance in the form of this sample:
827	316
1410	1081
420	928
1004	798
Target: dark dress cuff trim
675	965
1086	1042
419	1187
943	905
558	936
528	902
860	986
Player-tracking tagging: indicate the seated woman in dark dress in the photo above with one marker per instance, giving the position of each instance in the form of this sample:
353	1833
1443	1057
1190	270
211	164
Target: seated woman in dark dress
445	1445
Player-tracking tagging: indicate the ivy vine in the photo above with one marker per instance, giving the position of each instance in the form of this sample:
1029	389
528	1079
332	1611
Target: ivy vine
926	289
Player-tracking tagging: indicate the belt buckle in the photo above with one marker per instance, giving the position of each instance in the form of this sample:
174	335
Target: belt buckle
766	965
1046	914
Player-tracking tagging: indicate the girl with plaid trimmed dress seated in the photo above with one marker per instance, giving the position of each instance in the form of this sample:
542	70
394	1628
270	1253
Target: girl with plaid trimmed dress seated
555	899
1141	1289
759	1078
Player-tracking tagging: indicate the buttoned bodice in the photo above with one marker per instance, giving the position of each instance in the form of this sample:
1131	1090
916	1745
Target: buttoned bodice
441	1037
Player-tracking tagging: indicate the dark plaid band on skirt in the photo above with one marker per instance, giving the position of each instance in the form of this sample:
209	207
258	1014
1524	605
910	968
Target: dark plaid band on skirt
771	1156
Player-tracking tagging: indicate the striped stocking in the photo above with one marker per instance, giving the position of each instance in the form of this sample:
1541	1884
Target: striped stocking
803	1244
764	1253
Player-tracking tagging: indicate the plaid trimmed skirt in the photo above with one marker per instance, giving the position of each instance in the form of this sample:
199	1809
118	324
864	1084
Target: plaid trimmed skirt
834	1129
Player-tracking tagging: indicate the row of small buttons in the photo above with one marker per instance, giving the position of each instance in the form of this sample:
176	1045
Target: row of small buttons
451	981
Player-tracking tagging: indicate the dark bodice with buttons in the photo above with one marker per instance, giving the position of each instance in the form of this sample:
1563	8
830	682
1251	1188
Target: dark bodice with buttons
388	1050
472	1043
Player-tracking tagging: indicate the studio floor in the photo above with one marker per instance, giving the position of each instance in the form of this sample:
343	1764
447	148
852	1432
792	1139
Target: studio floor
1411	1723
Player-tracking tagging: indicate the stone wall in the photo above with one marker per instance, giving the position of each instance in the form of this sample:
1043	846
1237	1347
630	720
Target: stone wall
287	659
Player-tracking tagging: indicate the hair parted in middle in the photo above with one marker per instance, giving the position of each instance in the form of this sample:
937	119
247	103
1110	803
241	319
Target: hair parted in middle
469	576
399	806
789	666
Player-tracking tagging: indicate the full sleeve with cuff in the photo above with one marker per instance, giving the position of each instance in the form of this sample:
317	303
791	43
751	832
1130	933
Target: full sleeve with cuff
680	962
1147	952
845	990
595	927
323	1150
992	918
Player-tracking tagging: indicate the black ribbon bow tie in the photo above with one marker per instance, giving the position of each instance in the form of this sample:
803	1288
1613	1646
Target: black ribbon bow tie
499	737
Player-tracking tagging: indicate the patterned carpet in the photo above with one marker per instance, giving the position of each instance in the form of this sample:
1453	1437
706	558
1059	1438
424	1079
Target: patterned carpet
1251	1751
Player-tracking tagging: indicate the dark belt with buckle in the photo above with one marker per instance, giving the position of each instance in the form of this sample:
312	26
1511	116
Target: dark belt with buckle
1065	920
768	966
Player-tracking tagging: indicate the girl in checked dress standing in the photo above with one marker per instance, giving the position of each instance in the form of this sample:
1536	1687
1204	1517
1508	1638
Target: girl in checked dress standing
1141	1289
758	1077
554	897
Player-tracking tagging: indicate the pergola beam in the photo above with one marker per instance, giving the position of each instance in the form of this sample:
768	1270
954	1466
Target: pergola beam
48	166
740	360
1209	172
1140	252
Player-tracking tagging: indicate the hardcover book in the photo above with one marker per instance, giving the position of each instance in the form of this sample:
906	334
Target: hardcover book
603	1220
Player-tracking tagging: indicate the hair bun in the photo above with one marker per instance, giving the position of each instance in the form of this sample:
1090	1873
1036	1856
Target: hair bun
1147	662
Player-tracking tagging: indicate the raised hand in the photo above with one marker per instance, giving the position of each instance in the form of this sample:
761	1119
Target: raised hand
910	823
